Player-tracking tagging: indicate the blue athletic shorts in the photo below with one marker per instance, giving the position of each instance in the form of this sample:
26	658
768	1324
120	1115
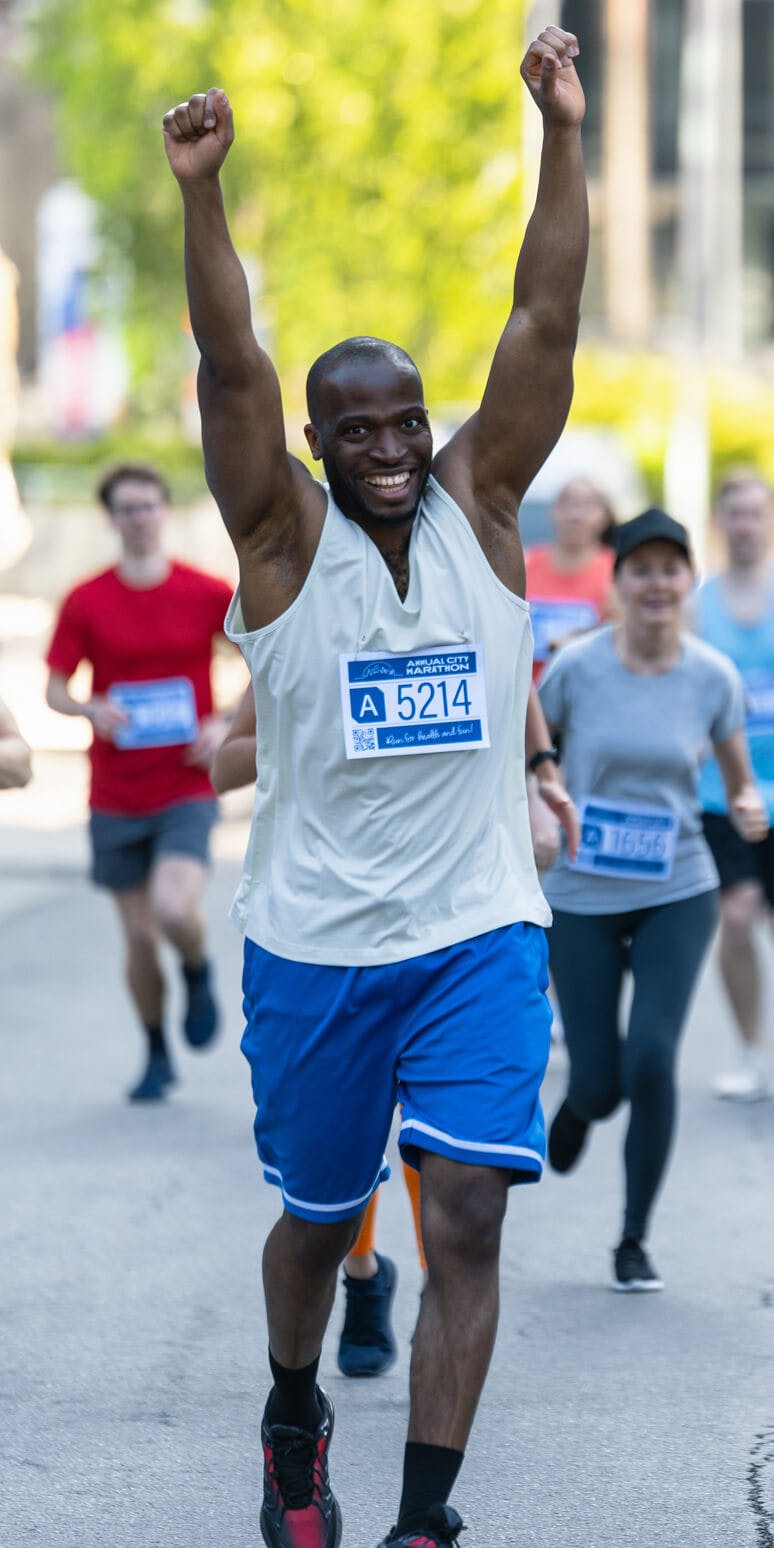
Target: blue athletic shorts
459	1037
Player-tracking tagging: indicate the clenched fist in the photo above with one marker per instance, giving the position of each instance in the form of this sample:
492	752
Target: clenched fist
198	135
748	815
549	72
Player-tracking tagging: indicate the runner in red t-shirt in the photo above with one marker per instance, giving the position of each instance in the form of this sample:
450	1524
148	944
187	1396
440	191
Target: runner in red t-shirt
147	628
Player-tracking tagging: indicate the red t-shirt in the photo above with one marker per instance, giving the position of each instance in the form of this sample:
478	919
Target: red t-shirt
565	602
150	634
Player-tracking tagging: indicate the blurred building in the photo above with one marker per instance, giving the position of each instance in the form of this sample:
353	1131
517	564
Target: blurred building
680	151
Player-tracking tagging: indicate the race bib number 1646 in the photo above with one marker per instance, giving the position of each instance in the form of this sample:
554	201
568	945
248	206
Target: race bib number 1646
432	701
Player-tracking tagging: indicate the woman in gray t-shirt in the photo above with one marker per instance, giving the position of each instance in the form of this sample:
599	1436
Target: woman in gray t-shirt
636	705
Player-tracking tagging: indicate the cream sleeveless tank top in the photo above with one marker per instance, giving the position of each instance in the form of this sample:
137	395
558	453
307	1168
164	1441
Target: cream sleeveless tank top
390	813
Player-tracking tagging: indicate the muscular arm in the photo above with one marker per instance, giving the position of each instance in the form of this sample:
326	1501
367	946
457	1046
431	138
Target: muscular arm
268	501
491	461
15	760
243	432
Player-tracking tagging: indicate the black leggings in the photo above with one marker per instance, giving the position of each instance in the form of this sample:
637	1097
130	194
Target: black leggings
664	947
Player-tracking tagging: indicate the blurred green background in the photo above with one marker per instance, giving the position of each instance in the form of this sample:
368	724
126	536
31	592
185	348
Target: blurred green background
383	172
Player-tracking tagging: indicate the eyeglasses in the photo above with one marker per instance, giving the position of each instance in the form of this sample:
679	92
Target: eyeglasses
138	508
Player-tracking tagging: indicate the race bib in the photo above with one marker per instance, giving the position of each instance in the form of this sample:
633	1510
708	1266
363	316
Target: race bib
623	839
759	692
161	714
432	701
553	621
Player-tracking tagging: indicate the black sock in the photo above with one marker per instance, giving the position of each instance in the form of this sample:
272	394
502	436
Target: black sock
196	973
293	1400
156	1040
429	1475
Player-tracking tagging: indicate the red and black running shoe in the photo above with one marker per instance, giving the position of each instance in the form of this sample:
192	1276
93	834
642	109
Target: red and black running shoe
299	1510
441	1526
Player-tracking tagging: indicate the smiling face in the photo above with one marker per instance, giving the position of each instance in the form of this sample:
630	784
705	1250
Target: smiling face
373	437
653	583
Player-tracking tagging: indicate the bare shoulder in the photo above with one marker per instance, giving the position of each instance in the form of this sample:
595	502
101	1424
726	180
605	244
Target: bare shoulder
276	555
493	512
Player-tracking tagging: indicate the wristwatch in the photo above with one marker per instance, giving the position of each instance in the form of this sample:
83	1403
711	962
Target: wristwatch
551	753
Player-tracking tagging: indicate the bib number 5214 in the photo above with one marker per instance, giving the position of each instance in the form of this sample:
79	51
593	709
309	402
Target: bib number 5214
433	700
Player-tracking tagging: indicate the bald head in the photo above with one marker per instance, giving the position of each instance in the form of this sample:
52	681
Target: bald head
369	428
364	359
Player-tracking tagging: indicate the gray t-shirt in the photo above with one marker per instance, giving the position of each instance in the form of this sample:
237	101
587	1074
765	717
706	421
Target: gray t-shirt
636	741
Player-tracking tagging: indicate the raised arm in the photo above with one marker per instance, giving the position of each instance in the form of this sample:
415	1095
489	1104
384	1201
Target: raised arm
496	454
265	497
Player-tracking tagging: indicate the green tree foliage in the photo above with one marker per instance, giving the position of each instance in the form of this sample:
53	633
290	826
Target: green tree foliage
637	394
375	179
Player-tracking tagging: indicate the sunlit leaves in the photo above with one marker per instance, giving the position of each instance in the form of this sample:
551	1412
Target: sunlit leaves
375	174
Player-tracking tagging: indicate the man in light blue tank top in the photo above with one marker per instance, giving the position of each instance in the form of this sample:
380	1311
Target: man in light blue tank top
734	611
394	946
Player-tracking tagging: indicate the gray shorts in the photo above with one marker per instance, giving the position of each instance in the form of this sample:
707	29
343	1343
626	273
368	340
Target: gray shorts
125	849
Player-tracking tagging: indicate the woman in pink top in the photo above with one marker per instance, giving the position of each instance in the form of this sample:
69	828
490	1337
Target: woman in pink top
569	581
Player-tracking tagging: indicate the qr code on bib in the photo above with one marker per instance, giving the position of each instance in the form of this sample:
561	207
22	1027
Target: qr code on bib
364	741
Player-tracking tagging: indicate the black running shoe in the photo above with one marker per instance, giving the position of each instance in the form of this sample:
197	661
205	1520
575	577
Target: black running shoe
157	1076
632	1268
367	1346
442	1525
299	1510
200	1023
566	1139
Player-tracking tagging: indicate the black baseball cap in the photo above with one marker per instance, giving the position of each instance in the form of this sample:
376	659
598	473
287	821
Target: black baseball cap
649	527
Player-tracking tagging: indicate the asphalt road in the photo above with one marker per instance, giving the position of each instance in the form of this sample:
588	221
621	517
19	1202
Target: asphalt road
132	1338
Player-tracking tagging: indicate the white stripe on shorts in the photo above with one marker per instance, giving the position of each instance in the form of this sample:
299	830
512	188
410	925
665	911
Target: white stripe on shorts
326	1209
458	1144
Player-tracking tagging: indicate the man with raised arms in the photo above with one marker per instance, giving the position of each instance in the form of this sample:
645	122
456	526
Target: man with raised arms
394	923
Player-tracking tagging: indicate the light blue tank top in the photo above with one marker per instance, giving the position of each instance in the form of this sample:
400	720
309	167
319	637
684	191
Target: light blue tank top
751	648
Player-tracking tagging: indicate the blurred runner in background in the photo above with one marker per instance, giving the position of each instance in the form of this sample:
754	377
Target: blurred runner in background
635	706
734	611
570	580
147	628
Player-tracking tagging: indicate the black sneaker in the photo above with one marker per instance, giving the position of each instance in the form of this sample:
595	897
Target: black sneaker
632	1268
442	1525
566	1138
200	1023
367	1346
156	1078
299	1510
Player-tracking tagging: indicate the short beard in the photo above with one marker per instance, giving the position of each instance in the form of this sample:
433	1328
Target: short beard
345	496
